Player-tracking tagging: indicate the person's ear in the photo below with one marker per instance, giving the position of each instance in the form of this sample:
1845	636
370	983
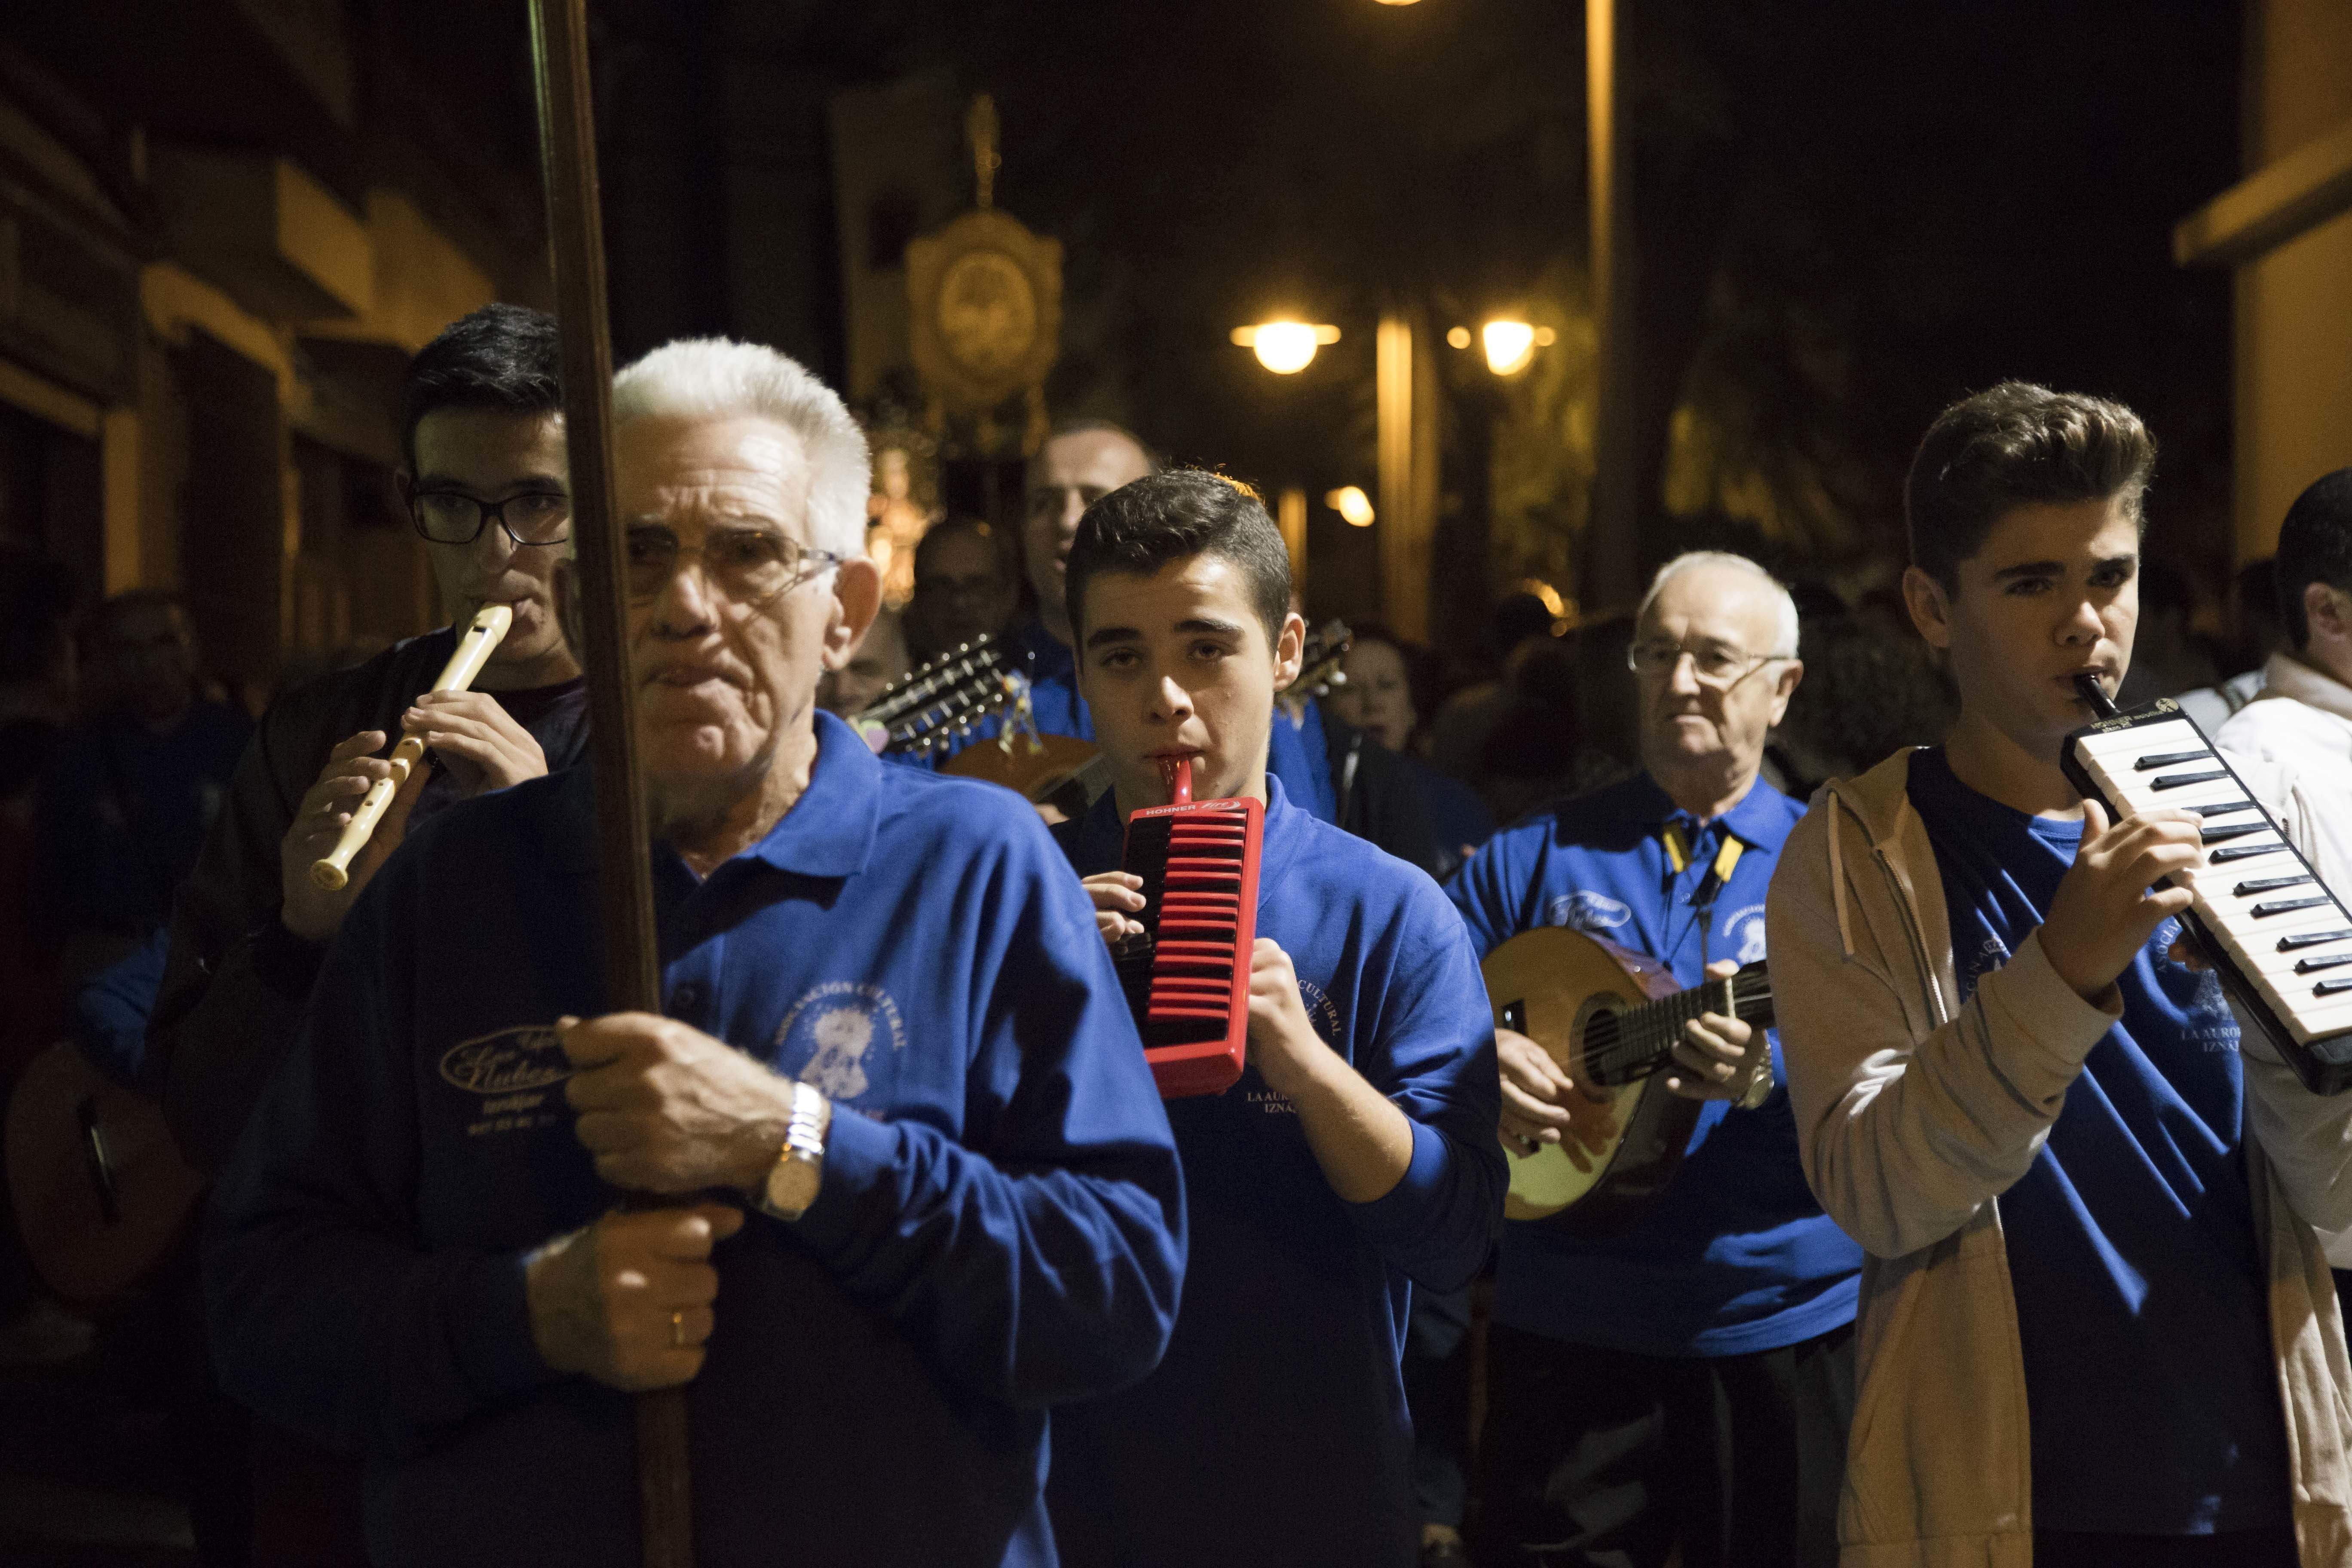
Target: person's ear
1930	606
1289	649
856	600
1785	687
2327	613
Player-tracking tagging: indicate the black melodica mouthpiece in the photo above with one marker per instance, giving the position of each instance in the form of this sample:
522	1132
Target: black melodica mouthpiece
2096	694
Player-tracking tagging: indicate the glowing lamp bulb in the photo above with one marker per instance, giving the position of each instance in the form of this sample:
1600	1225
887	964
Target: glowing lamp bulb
1285	348
1509	345
1352	504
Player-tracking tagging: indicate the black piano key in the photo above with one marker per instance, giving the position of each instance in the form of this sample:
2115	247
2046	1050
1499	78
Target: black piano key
2235	830
2266	885
2288	905
2223	808
2180	781
2244	852
2312	939
2334	961
2331	987
2167	759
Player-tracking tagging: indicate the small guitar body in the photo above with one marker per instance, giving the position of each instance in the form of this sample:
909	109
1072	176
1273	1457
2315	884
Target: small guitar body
102	1195
1034	764
1609	1017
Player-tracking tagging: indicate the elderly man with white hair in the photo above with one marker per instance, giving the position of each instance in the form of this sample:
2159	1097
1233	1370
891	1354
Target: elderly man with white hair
1685	1380
911	1182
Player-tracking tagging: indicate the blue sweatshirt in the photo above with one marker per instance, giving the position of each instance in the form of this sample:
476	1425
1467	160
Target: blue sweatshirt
1275	1431
2152	1395
1294	752
1737	1256
999	1225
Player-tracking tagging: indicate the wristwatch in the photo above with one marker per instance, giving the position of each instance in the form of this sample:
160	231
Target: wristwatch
1760	1084
792	1181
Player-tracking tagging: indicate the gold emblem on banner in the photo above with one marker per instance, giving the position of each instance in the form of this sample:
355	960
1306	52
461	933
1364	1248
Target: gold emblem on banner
985	297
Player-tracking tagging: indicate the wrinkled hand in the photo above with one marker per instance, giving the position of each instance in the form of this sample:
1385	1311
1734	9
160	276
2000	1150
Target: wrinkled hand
666	1109
476	739
603	1298
1283	1044
1717	1056
2104	911
309	911
1541	1104
1116	895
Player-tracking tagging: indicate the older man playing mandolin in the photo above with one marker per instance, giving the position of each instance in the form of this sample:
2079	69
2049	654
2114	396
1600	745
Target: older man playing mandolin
914	1183
1615	1356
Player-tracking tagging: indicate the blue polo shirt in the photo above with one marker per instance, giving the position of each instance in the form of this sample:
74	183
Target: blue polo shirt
1294	752
999	1224
1276	1430
2143	1305
1735	1256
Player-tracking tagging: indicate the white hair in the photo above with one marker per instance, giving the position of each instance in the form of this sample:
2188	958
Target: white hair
718	378
1784	635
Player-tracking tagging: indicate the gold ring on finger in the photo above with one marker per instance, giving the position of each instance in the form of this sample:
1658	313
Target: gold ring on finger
678	1330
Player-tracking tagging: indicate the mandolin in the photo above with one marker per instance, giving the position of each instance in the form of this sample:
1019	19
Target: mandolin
1610	1017
932	707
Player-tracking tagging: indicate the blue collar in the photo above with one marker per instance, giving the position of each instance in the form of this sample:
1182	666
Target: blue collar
1751	819
828	832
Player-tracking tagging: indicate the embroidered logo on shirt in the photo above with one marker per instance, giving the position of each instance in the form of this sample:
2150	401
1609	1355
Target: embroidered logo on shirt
835	1025
1744	930
508	1062
512	1070
1589	912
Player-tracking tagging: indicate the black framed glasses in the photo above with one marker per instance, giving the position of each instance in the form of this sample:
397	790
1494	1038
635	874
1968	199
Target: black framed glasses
750	565
453	517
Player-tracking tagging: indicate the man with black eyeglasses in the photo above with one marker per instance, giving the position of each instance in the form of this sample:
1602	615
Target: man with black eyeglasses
485	485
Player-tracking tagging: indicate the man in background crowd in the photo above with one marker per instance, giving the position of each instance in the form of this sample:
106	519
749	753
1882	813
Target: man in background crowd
966	587
1683	1384
879	659
126	806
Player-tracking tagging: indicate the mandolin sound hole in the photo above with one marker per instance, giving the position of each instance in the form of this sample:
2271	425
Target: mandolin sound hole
1597	1024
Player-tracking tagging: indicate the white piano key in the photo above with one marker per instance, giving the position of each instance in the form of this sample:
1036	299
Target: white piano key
2334	1016
2283	964
2144	740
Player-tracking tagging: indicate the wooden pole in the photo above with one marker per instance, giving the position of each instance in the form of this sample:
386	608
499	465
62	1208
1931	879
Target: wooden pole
1613	530
575	234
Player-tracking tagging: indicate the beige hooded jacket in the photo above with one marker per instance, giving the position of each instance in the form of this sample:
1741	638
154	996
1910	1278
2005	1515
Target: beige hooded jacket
1915	1115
